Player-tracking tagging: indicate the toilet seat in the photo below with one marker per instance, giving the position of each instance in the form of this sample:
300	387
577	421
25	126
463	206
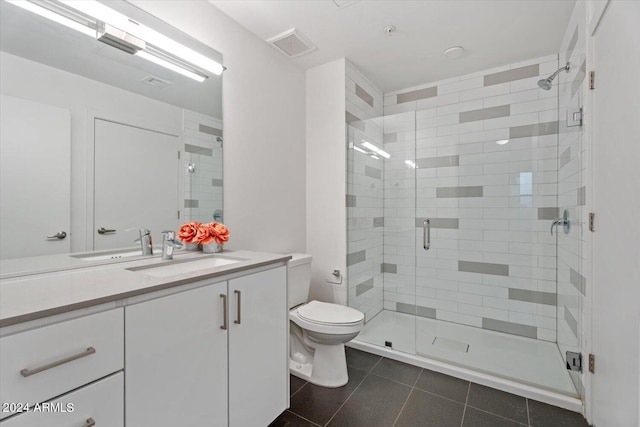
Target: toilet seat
322	313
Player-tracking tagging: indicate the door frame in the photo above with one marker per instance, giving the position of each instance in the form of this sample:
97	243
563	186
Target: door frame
127	120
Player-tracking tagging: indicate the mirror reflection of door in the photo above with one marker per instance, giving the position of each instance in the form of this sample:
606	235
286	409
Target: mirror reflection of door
136	184
35	181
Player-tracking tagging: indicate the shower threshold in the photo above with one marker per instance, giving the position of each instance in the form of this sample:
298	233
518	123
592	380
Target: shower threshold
523	366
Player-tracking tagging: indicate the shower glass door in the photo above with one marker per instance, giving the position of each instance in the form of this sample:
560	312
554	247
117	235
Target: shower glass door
381	228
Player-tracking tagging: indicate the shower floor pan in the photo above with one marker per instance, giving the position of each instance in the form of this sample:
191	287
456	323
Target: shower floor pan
519	365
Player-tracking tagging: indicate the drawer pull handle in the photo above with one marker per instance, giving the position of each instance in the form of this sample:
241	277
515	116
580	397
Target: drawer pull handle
28	372
90	423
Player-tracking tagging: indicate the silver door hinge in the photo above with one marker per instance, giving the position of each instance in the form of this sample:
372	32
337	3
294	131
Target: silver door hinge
592	80
574	117
178	213
592	363
178	154
592	218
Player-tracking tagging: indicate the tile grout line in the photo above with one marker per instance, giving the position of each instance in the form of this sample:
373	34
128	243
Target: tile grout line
300	416
528	416
466	400
300	388
354	390
496	415
403	406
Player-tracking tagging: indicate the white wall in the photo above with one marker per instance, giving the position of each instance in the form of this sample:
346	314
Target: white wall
326	168
264	128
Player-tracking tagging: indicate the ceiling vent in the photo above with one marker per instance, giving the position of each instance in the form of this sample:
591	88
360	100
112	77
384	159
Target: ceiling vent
292	43
155	81
344	3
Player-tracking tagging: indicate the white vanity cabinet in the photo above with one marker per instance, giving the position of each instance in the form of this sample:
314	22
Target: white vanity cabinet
42	363
214	355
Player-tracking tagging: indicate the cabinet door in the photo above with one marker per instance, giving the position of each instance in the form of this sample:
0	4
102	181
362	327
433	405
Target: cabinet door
176	360
101	403
258	359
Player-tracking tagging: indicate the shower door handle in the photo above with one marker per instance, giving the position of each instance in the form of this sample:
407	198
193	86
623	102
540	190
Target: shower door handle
426	234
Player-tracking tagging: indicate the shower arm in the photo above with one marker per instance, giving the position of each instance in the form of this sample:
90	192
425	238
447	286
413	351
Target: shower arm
553	76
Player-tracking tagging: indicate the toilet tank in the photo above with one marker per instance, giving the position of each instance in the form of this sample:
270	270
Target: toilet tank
299	270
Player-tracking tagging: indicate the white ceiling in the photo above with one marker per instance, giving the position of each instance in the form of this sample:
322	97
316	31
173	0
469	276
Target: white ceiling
493	33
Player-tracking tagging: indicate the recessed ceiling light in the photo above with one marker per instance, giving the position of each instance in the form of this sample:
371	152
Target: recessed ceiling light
454	52
502	141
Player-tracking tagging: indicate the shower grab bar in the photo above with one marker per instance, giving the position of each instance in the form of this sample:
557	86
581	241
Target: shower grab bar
426	234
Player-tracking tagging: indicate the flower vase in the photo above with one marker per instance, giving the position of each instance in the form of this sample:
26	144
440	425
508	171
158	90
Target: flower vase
212	248
191	246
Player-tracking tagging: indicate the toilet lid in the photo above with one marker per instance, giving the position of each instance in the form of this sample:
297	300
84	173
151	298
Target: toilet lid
329	314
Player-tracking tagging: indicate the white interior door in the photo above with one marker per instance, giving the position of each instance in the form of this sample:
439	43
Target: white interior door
616	247
35	183
136	183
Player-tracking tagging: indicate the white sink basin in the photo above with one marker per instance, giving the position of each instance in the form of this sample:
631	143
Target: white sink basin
107	255
186	266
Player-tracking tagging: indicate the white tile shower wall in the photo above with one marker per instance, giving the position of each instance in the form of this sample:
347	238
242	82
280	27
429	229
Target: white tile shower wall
365	194
572	247
202	147
492	259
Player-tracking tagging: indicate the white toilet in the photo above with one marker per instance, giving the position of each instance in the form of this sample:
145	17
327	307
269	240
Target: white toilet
318	330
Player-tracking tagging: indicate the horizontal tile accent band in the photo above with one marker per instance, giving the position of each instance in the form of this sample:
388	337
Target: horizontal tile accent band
210	130
572	44
565	157
356	257
390	137
190	203
388	268
582	196
372	172
571	321
578	281
451	223
378	222
510	328
351	201
364	95
442	192
349	118
511	75
548	213
536	297
196	149
437	162
415	95
364	287
485	114
416	309
548	128
483	268
216	182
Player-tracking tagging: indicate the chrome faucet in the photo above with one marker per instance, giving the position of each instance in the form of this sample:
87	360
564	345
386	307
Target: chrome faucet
169	243
145	241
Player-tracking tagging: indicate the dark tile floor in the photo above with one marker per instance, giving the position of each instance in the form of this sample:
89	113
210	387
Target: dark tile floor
382	392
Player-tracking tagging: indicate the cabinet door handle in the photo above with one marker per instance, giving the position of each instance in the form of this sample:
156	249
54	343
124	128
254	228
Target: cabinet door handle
28	372
224	311
239	294
89	423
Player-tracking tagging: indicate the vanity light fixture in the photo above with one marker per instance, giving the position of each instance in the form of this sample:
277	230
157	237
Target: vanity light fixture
54	16
502	141
111	27
375	149
359	149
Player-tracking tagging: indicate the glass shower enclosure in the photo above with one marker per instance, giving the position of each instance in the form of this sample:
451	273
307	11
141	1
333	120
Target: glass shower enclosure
450	248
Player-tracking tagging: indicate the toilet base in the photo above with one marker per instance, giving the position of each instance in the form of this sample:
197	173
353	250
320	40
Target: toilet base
328	369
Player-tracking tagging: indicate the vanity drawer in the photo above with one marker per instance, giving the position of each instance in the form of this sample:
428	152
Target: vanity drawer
101	403
43	363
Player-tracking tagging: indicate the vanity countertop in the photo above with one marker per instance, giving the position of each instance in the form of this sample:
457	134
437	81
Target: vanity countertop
37	296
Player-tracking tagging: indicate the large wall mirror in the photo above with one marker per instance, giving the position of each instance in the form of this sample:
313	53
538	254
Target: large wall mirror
103	131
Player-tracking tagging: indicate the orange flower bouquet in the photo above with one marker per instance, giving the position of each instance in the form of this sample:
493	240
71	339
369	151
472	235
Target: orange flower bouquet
211	236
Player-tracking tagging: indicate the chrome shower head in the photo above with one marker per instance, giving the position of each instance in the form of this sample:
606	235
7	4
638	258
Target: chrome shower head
546	83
